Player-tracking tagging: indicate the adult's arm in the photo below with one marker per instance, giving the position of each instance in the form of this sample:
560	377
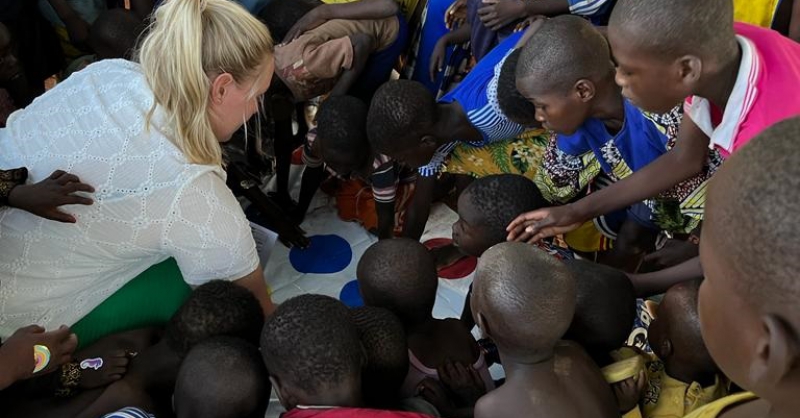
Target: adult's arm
685	160
254	282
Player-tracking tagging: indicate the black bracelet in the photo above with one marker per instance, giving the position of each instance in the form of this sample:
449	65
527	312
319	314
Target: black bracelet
9	179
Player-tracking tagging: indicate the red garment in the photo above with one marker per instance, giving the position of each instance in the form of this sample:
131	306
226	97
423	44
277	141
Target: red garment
349	413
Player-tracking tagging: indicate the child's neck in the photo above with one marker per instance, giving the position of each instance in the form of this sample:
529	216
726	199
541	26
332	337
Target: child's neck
609	105
719	82
453	123
346	395
528	368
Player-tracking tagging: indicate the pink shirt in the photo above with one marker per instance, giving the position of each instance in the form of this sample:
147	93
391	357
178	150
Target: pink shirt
765	92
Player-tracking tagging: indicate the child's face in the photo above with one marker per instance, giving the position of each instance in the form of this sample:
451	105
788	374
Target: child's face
651	84
560	112
468	233
729	325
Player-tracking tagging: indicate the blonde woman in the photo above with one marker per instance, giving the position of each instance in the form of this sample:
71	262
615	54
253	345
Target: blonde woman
147	136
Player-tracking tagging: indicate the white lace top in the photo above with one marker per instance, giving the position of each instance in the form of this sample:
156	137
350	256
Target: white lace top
150	203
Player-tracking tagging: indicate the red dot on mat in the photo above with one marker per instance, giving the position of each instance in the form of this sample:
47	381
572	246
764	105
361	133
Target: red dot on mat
458	270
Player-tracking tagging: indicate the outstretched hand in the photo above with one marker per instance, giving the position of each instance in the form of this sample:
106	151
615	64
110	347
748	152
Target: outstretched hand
17	358
44	197
543	223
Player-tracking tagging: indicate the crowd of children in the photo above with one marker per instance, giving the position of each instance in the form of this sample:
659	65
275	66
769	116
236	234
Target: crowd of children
587	146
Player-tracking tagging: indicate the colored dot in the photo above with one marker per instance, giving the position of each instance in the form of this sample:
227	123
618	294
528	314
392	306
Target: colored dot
350	295
327	254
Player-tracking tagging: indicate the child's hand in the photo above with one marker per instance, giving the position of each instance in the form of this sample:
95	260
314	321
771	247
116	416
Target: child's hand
499	13
435	393
44	197
543	223
437	58
464	381
629	391
456	14
309	21
17	352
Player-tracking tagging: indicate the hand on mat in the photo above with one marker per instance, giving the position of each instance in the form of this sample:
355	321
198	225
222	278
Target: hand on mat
534	226
309	21
17	352
463	380
101	366
44	197
456	14
629	391
437	58
496	14
435	393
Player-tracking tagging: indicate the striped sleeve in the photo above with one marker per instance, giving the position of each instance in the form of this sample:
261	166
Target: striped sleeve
436	164
129	412
384	181
587	7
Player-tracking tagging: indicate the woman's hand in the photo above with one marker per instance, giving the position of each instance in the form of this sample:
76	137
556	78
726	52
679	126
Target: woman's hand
544	223
497	14
44	197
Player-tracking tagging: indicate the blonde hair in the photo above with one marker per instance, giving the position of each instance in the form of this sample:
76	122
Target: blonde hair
187	41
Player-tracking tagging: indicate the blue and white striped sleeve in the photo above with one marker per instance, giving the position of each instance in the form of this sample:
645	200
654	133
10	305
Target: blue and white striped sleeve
435	166
588	7
129	412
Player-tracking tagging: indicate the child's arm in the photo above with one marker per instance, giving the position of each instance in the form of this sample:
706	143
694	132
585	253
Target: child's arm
658	282
363	45
496	14
794	23
45	197
685	160
420	207
357	10
458	36
77	28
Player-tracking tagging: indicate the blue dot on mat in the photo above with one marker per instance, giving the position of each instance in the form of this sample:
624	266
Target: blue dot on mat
326	254
351	296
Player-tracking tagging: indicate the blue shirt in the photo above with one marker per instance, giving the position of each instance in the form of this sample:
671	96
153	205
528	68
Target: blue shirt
477	95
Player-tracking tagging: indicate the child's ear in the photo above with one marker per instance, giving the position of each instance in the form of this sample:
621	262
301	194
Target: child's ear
777	352
689	68
664	350
285	395
585	90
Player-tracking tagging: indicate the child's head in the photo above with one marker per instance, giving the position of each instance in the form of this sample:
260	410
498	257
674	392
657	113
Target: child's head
561	70
313	354
605	307
207	63
281	15
512	103
399	275
400	117
115	32
341	134
214	309
663	48
674	335
749	302
384	341
524	299
488	205
222	377
10	66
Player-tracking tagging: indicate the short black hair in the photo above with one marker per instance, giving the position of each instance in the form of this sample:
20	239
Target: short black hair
216	308
673	28
281	15
115	32
222	377
753	201
399	275
500	198
384	341
564	50
525	296
311	342
512	103
342	128
682	322
605	307
399	110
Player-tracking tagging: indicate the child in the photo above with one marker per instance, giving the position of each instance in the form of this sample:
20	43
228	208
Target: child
732	74
748	303
566	72
340	142
217	308
686	377
384	340
525	300
345	53
408	124
605	309
222	377
400	275
311	349
16	362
